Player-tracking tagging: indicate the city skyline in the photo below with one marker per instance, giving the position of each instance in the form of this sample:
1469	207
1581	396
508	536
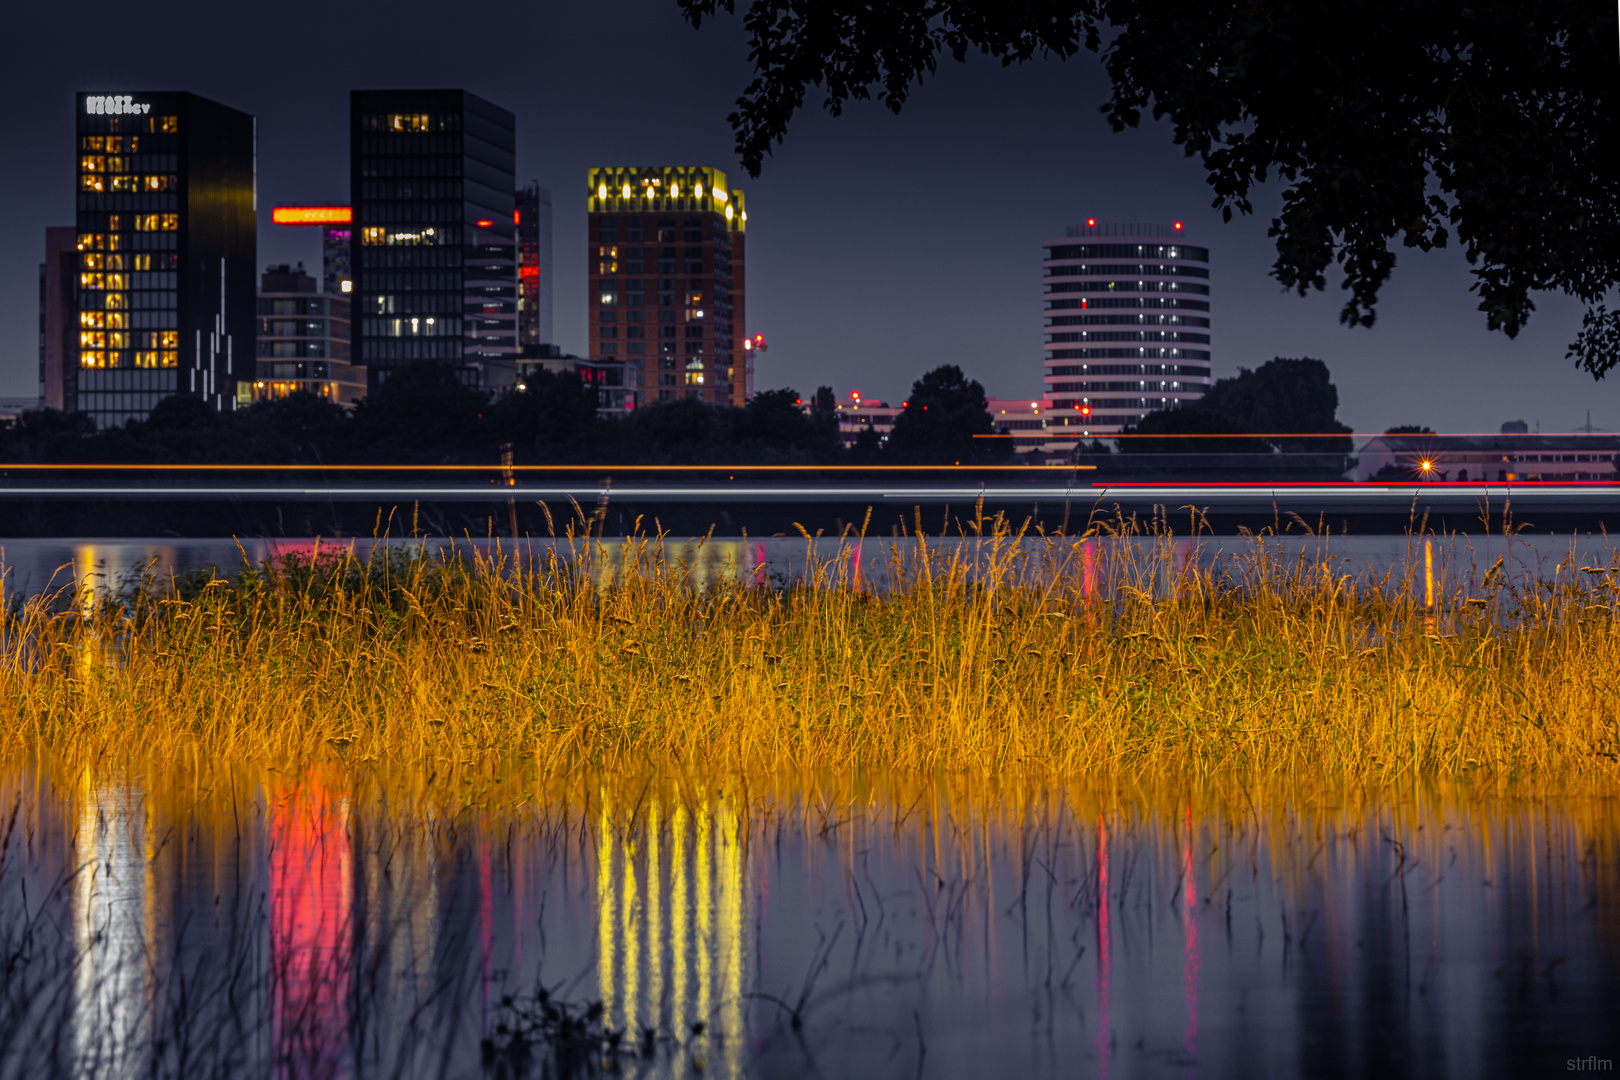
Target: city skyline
892	244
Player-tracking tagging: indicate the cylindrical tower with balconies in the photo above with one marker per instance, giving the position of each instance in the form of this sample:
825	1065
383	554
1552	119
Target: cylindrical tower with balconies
1126	327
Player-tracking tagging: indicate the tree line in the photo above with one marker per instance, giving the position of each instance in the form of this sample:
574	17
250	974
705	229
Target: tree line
425	415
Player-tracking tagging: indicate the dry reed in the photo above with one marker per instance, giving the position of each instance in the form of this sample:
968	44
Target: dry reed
1047	657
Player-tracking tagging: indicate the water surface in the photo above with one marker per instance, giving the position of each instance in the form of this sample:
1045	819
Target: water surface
303	925
33	566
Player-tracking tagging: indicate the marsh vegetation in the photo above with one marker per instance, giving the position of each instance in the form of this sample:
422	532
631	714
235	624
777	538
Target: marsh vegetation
1002	801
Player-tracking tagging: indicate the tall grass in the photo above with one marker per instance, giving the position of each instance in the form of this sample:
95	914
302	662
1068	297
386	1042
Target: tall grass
1053	657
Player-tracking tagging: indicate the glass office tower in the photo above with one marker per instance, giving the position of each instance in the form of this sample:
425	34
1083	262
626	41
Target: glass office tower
167	241
665	261
534	266
435	243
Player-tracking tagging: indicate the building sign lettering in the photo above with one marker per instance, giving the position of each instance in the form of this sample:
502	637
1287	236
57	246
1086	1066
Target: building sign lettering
115	105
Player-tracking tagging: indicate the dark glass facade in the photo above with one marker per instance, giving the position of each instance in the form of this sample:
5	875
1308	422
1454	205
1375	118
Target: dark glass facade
534	266
166	226
666	273
434	252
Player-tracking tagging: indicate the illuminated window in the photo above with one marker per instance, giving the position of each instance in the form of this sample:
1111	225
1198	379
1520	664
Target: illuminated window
373	235
115	144
95	142
90	182
126	183
119	340
160	183
118	164
117	281
146	223
91	339
91	319
142	262
170	359
171	222
115	301
408	122
116	320
115	223
147	359
90	281
92	163
170	339
113	243
91	242
116	262
92	359
694	378
91	260
169	124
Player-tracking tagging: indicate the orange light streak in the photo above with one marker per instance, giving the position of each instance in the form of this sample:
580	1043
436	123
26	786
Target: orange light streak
312	215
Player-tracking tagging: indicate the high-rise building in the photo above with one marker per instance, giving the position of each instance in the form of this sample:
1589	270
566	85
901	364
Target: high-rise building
435	240
58	316
304	342
534	266
666	265
1127	327
166	244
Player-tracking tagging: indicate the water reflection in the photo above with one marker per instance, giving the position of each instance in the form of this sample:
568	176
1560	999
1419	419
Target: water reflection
311	880
112	929
306	927
1435	565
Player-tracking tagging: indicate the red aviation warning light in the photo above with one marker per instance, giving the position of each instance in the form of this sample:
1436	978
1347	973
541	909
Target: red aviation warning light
517	218
483	223
1085	410
1178	226
1091	223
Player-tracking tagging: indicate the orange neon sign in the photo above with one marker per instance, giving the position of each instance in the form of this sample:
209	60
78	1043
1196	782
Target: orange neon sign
312	215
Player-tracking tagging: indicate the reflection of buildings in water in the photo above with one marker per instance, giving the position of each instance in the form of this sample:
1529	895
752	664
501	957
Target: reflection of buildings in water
671	981
112	930
706	563
311	887
1190	954
1105	955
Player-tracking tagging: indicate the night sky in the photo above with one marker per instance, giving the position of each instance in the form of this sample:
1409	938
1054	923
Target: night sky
879	246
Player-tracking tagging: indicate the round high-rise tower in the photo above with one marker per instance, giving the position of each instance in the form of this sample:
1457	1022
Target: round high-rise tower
1126	326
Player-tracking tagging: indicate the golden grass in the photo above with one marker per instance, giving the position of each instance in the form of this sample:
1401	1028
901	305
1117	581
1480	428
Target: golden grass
1046	658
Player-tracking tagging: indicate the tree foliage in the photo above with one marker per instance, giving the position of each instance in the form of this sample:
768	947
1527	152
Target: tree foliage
424	415
940	422
1281	398
1424	121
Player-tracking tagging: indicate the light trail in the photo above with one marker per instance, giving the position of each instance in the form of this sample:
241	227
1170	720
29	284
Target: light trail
215	467
1586	495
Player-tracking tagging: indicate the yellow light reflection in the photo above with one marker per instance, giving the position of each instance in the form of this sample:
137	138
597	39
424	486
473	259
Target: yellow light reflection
606	930
111	928
693	908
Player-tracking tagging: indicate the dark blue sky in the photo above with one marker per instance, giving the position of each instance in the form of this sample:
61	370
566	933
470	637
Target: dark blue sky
879	246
